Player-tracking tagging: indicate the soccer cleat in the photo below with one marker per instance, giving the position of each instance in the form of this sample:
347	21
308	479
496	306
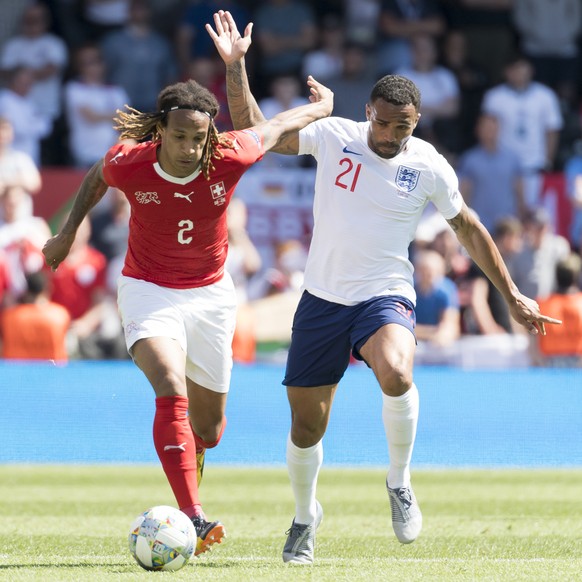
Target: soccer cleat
208	534
200	465
406	515
300	544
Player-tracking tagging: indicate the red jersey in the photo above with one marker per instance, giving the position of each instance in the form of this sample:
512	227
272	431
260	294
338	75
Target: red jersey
177	229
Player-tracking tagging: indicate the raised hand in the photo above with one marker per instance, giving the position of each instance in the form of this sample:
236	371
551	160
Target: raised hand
230	44
319	92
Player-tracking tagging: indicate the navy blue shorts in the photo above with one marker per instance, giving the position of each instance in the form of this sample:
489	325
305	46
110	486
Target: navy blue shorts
324	334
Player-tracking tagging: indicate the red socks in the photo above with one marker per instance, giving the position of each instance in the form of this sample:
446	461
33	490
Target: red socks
176	448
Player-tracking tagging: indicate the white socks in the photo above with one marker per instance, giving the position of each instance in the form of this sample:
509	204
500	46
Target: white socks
400	417
303	466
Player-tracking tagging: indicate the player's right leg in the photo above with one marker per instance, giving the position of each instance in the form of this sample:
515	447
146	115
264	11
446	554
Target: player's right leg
318	357
310	408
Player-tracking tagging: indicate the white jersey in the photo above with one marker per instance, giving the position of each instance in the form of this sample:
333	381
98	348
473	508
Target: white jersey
366	210
525	118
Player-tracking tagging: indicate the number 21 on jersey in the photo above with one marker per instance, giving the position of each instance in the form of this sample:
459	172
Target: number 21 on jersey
348	177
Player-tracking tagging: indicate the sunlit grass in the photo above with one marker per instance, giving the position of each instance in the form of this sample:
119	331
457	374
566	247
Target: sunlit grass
71	523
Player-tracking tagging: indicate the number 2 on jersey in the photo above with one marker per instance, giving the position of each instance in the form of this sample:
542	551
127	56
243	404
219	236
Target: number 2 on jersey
185	226
349	177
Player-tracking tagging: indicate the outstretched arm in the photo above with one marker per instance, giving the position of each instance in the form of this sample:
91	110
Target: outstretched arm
232	47
90	192
281	133
479	244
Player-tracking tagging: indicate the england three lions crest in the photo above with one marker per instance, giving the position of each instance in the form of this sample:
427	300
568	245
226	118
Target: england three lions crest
407	178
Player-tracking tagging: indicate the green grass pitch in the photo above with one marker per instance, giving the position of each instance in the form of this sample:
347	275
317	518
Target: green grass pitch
71	523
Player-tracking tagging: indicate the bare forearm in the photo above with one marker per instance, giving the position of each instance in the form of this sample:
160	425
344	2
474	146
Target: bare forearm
244	109
281	134
90	192
479	244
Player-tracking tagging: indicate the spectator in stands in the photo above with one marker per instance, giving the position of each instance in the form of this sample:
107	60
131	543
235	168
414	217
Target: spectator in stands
36	328
488	27
472	79
534	268
242	262
5	281
491	175
110	225
573	175
138	58
192	41
439	121
80	286
548	34
17	168
90	105
399	22
352	86
530	122
286	31
101	17
209	72
325	60
562	347
361	21
43	53
22	237
28	125
437	301
284	93
287	272
486	312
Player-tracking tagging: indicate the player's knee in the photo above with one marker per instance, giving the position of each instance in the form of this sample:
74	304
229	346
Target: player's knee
208	432
169	383
396	381
307	433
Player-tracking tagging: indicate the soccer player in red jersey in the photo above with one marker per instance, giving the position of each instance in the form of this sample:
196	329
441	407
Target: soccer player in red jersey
176	301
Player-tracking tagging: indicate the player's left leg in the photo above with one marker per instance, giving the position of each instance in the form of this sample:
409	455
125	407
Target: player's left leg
207	419
206	412
390	354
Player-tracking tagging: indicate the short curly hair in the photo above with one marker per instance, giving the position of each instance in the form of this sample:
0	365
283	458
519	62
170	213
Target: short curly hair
397	90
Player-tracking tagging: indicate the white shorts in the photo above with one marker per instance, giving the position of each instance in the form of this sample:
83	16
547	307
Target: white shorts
202	320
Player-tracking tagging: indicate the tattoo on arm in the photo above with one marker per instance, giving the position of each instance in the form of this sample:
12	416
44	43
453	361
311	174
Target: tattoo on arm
90	192
244	109
459	223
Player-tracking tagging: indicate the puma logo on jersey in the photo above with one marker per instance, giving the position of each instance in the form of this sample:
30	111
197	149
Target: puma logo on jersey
186	196
114	158
181	447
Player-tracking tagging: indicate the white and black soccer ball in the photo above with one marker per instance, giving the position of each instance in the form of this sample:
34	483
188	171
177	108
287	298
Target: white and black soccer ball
162	538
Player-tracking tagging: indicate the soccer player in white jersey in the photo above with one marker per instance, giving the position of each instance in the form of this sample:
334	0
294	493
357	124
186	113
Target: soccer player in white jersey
177	302
373	181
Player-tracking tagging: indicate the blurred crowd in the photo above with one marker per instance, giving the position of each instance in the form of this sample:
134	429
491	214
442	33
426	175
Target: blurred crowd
501	99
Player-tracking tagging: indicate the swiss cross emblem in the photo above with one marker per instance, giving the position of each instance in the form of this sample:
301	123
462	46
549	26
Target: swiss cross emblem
218	192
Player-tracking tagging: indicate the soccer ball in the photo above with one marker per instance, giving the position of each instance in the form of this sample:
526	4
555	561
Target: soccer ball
162	538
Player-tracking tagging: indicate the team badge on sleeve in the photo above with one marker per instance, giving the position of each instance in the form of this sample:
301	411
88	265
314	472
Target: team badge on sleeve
407	178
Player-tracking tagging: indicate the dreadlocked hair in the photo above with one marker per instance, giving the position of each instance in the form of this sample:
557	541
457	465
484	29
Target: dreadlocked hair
133	124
